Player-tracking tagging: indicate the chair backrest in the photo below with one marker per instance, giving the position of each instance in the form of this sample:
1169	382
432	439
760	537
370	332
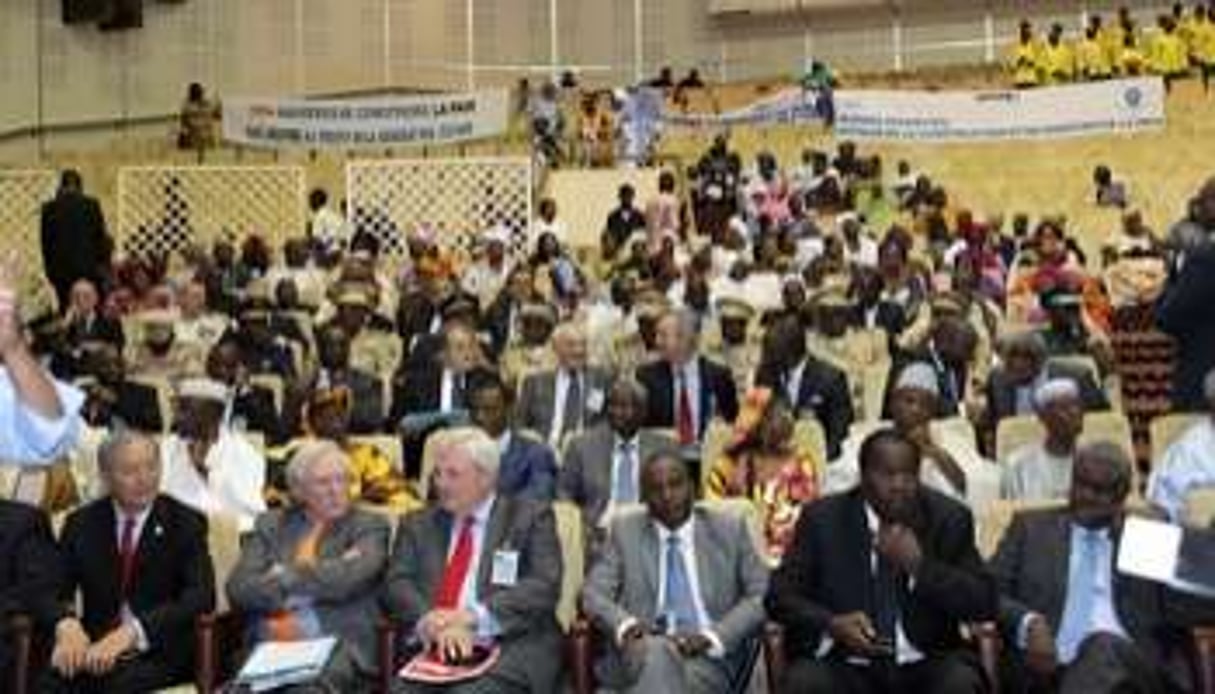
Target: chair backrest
573	559
387	444
272	383
995	519
809	435
1166	429
1115	428
1200	507
223	538
873	389
164	397
744	508
1079	362
1015	432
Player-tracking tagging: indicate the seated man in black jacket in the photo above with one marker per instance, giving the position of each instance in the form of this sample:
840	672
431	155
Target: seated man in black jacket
877	582
29	576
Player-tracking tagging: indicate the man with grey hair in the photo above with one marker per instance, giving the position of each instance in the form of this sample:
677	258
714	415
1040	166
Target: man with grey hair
602	467
557	403
1024	368
685	390
477	570
1042	470
140	562
1188	464
311	569
1076	624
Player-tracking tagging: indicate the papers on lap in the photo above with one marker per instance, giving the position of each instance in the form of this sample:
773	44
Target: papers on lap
1181	558
275	664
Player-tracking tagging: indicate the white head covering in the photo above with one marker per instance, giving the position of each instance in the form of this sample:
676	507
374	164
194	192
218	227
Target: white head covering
496	234
920	376
1054	390
202	389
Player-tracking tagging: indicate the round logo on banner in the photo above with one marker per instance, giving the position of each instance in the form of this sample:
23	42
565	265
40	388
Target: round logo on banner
1133	96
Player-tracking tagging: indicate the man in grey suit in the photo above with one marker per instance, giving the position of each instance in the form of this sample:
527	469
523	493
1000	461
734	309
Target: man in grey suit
560	402
310	569
678	592
478	568
1076	624
602	466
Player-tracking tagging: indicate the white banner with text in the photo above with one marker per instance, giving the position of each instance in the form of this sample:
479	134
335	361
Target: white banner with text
1115	106
376	122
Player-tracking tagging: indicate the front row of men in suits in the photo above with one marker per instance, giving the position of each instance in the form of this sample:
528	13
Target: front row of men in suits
874	593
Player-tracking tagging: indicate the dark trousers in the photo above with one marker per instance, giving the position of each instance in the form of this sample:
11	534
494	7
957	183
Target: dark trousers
950	673
143	674
1104	664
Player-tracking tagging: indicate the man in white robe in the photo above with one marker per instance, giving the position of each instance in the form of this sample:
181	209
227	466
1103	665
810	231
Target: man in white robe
1188	464
1042	470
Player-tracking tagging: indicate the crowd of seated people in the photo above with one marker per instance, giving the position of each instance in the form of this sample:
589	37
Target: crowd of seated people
857	379
1181	43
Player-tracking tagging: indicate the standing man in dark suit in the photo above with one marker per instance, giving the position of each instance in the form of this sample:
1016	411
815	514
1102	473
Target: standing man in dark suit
528	468
1075	623
29	576
877	583
479	567
685	390
140	562
75	244
1183	310
810	386
678	592
602	466
560	402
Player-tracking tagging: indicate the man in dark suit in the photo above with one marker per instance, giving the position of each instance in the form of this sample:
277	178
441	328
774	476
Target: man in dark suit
685	390
501	318
602	466
560	402
528	468
83	320
1074	623
478	567
690	626
810	386
140	562
29	576
1183	310
949	351
884	613
75	244
1011	387
250	407
136	405
334	370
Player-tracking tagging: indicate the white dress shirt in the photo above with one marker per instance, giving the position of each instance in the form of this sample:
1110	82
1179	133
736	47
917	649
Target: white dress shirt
470	599
687	375
447	390
793	383
905	652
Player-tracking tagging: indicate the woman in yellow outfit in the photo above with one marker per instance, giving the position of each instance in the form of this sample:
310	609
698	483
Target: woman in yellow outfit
1131	61
1168	56
1203	46
373	478
1024	58
1092	60
766	465
1058	62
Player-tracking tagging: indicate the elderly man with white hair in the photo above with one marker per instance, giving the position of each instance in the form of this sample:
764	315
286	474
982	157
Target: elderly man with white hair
951	462
311	569
476	574
210	467
1188	464
565	400
1042	470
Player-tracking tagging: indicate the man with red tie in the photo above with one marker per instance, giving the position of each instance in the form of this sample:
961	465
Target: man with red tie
478	570
686	390
140	562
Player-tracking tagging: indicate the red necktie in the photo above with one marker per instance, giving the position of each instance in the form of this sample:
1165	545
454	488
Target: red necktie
126	556
683	419
448	595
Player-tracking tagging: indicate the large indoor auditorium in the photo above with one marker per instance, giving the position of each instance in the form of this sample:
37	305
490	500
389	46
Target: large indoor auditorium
586	346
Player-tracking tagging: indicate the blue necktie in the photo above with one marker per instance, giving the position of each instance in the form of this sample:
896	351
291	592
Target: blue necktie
680	608
626	474
1081	588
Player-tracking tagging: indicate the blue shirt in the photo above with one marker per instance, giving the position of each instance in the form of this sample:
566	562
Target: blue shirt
27	437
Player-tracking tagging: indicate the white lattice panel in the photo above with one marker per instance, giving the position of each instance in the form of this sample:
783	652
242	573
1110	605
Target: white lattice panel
164	208
22	193
459	198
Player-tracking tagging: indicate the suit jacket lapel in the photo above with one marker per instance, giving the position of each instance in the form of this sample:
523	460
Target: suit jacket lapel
861	554
495	532
1057	552
708	563
705	395
151	538
649	560
108	544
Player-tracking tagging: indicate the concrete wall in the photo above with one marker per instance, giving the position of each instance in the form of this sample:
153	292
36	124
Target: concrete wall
53	73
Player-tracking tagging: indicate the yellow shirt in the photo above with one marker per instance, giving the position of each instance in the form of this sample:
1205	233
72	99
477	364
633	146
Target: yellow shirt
1023	63
1092	61
373	479
1168	55
1110	38
1131	61
1204	42
1058	63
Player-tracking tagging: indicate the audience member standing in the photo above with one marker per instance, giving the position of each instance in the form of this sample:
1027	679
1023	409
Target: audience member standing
75	244
1183	310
